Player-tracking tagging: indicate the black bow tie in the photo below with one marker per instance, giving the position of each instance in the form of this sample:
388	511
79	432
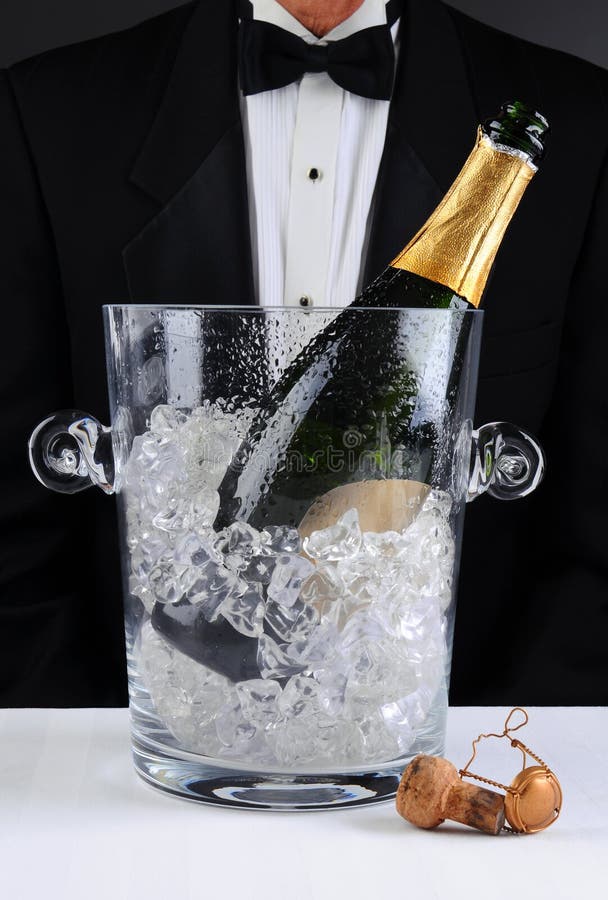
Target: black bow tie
271	58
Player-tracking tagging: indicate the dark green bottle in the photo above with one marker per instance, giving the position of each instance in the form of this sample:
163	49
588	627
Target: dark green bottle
351	389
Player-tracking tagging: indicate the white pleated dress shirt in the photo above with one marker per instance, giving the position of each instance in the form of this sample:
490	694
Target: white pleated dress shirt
313	152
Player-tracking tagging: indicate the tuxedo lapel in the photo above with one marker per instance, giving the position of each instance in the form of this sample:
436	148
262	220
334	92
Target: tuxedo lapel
197	248
444	87
405	194
500	69
431	129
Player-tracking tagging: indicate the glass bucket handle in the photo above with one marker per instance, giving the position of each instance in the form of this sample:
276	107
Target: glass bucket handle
506	462
70	451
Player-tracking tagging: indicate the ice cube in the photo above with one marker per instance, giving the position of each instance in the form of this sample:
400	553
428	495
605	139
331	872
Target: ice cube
242	538
238	543
332	690
362	626
339	541
174	521
192	550
288	577
137	589
245	611
321	587
165	583
421	627
281	539
259	700
293	622
387	543
294	742
373	670
146	554
429	537
164	420
274	662
317	649
361	582
332	738
259	569
160	485
207	601
222	579
402	718
233	730
204	505
441	501
377	743
212	587
300	697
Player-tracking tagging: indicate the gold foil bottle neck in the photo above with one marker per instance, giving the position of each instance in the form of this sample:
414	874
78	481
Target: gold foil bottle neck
457	245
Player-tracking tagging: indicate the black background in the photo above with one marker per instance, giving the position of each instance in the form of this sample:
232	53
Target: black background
30	26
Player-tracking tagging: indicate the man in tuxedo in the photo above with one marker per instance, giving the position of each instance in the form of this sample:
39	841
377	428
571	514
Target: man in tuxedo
136	168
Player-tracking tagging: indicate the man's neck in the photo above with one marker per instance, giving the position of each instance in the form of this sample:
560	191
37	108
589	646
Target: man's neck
320	16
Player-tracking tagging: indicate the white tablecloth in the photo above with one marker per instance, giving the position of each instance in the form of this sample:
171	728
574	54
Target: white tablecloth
76	822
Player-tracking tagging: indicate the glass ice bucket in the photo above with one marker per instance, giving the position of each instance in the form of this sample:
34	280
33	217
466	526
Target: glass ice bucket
299	657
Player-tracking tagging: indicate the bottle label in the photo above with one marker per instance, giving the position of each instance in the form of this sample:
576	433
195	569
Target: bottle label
457	245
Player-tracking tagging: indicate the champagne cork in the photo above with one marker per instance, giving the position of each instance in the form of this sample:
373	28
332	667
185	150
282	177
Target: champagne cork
431	792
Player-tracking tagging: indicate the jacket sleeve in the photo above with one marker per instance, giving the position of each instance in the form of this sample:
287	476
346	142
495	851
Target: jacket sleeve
36	600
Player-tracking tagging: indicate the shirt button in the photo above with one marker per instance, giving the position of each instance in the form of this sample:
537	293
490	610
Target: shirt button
314	174
305	300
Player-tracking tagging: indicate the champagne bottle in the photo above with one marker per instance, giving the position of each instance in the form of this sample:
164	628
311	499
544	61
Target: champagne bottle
348	374
353	371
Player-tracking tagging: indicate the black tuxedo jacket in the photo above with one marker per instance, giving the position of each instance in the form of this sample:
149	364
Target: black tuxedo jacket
122	178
